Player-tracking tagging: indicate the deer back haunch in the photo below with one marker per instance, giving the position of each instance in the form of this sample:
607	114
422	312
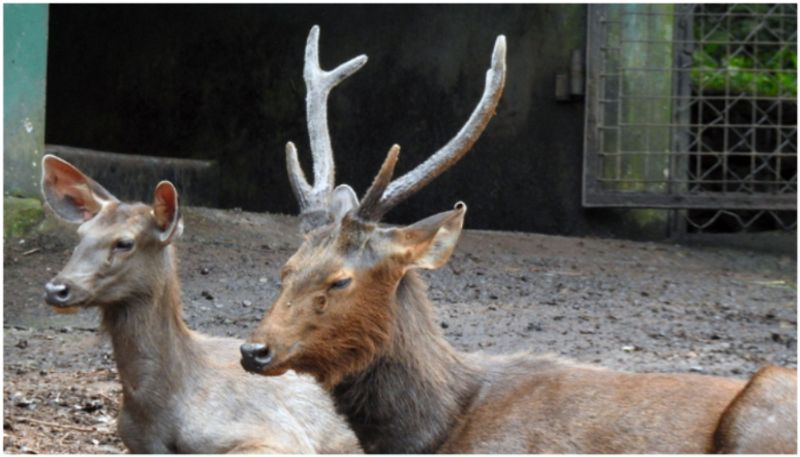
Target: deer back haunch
182	391
353	313
556	406
762	419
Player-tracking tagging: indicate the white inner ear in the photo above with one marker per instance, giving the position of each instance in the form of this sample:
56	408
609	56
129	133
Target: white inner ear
71	195
75	202
439	249
343	199
175	228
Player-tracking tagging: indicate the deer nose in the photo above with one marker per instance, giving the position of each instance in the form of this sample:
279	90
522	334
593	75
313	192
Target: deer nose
255	356
57	293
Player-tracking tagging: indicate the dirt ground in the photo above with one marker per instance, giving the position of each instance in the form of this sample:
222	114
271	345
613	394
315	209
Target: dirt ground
625	305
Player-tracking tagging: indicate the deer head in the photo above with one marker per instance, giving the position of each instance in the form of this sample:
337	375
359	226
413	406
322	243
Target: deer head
120	247
336	309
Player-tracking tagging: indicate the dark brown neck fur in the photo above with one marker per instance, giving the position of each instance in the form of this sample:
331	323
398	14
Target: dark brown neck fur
410	398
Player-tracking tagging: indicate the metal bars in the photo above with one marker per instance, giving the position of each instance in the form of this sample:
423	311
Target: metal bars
692	107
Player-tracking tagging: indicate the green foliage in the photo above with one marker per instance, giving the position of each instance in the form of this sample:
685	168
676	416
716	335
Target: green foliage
20	215
745	49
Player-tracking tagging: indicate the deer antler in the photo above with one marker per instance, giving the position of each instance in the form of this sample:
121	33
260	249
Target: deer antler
314	199
382	195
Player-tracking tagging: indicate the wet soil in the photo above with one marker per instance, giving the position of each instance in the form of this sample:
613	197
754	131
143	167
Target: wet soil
626	305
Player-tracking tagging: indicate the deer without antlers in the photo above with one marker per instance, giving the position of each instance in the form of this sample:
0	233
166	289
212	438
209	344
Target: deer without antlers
182	391
353	312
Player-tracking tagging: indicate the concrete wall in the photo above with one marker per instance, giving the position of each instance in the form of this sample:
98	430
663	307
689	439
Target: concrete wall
24	64
132	177
225	83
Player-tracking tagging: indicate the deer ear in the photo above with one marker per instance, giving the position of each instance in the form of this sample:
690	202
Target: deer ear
72	195
430	242
166	212
343	199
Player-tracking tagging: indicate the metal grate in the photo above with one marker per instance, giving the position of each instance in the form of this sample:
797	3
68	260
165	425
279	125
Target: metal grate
693	107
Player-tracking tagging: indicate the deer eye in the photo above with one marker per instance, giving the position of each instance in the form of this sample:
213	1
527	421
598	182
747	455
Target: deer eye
341	284
123	244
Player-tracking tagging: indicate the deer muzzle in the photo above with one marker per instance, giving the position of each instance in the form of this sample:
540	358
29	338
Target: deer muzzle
256	357
64	294
58	293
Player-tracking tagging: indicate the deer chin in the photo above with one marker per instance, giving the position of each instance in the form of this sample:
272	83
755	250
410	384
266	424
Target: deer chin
275	370
71	309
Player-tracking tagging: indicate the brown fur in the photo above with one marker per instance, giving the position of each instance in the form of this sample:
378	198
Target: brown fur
182	391
410	391
372	338
326	351
762	419
185	392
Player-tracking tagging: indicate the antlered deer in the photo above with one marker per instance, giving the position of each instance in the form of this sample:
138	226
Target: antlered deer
353	312
182	391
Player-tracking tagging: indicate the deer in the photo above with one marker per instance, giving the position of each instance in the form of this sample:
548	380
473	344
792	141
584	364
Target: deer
762	418
353	312
183	392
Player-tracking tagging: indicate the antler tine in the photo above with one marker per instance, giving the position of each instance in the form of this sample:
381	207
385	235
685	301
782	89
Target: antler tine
459	145
318	85
382	179
300	186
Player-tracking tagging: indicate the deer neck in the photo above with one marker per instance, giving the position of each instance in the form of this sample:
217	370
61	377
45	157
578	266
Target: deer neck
153	348
410	398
